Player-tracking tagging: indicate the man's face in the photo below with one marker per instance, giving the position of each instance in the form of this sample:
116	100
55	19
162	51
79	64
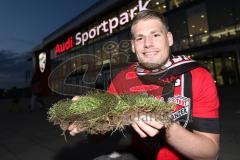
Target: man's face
151	43
42	61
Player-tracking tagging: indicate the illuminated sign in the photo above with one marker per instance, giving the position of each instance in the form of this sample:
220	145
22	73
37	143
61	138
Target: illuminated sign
42	57
65	46
106	26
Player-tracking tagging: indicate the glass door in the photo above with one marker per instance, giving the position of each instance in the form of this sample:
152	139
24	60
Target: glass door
226	70
223	68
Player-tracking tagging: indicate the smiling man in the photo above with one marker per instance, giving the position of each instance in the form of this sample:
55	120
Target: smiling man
151	42
194	133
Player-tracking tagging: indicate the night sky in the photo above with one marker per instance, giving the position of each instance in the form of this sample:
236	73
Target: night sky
23	25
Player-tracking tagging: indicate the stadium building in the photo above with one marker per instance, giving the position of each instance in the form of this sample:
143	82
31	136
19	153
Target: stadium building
87	50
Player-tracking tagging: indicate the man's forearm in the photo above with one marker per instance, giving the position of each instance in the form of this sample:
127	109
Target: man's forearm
194	145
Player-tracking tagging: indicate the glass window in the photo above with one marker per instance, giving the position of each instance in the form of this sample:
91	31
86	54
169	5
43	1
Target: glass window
197	25
109	47
208	63
237	16
222	66
229	71
178	26
126	8
197	20
97	49
159	5
236	13
176	3
223	18
220	14
124	46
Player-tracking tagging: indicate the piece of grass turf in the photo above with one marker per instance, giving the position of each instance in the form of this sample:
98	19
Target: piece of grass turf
100	112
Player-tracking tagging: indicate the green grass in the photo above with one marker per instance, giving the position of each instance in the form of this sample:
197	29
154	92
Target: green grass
99	108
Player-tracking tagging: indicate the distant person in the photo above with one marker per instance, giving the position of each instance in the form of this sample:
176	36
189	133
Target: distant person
228	75
36	98
15	100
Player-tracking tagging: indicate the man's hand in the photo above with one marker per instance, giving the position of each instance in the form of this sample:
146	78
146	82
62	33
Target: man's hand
75	98
194	145
73	130
146	126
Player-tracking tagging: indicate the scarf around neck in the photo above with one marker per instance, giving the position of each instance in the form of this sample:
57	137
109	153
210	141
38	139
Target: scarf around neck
167	73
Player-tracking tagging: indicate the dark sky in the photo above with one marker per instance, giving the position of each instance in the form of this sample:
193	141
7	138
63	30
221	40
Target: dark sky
23	25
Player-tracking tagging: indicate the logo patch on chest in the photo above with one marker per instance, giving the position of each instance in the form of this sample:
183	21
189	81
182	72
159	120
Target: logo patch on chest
180	100
182	112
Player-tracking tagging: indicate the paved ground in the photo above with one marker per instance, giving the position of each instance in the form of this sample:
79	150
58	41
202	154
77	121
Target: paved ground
29	136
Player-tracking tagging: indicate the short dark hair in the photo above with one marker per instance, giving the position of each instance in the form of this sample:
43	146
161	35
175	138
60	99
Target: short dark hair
149	14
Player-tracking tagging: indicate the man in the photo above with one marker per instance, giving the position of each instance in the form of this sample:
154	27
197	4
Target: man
195	131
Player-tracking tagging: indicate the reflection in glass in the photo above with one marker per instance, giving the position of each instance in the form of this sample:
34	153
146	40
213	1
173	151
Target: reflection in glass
159	5
197	20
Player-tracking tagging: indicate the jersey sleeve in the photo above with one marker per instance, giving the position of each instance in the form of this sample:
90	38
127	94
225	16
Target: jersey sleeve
118	84
123	81
205	111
